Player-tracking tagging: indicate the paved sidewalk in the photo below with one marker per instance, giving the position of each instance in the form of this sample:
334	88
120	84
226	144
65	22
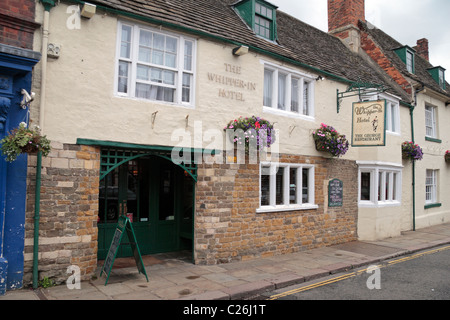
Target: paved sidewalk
174	279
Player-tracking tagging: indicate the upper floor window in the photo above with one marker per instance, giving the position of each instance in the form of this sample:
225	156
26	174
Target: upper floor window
287	91
392	111
430	121
410	61
406	54
260	16
438	74
155	65
392	116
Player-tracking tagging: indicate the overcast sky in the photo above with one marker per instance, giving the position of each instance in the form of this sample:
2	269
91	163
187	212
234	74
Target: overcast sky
405	20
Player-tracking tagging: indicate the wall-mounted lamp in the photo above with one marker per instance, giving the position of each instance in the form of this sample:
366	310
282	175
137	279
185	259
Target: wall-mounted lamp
320	78
88	10
240	51
27	98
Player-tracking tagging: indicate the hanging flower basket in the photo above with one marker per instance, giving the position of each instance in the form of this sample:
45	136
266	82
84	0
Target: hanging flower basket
447	156
327	139
244	131
411	151
24	140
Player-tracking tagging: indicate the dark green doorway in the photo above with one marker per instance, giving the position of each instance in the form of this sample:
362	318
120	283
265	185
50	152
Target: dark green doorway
156	195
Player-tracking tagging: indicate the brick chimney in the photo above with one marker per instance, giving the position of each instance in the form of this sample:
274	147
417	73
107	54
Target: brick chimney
422	48
343	17
342	13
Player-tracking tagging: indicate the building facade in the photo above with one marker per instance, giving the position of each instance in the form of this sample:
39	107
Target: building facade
136	100
420	121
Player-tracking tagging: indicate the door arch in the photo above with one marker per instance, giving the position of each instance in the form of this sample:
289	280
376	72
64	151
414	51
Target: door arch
157	193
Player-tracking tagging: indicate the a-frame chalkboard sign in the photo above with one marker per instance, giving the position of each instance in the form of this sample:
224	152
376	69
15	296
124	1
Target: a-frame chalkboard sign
124	224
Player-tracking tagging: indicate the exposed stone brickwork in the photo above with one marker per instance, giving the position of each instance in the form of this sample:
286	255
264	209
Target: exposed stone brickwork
17	23
227	227
68	212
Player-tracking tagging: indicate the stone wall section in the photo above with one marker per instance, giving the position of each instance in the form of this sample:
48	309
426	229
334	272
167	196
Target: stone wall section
68	212
228	228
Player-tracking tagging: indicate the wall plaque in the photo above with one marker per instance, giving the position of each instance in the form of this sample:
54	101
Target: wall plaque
335	193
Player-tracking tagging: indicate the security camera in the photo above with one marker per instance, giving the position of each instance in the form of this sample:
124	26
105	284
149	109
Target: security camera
27	98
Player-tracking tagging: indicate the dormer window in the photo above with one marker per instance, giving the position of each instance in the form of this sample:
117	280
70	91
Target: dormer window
406	54
438	74
410	61
260	16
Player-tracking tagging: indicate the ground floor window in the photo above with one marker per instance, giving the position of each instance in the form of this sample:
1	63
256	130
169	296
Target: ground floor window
379	185
286	187
431	182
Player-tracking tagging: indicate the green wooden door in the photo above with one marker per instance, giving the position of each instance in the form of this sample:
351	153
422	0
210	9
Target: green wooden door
159	197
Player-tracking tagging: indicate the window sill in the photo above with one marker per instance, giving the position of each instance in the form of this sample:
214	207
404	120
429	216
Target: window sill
268	209
433	205
433	140
380	204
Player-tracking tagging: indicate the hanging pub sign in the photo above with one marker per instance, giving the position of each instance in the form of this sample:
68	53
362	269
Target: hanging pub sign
369	124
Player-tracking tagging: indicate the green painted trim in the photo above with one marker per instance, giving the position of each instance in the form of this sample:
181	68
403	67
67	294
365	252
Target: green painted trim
433	205
114	144
433	139
219	38
48	4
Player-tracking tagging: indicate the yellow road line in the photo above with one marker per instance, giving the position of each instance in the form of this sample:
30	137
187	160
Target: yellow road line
312	286
353	274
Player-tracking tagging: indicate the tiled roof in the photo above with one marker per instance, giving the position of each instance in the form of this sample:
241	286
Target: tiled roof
297	41
388	44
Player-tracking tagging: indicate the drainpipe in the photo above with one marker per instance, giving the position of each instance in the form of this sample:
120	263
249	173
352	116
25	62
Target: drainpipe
48	4
411	112
36	219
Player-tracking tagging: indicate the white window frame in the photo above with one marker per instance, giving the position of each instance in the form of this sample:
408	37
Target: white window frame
392	110
431	186
287	206
133	62
430	121
303	79
441	76
381	174
410	61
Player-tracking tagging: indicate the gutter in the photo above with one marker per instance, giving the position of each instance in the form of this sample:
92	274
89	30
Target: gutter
215	37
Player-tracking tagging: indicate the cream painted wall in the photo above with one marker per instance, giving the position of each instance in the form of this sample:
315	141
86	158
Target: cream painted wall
81	102
433	159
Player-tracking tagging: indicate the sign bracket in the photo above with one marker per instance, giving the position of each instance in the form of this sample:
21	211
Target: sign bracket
359	89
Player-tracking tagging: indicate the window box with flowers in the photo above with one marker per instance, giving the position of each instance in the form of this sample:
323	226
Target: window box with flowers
447	156
24	140
244	131
411	151
329	140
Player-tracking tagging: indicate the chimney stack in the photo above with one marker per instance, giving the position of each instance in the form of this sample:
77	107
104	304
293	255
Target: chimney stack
342	13
422	48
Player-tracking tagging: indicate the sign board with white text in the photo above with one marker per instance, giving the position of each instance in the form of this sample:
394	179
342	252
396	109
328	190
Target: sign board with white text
369	124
